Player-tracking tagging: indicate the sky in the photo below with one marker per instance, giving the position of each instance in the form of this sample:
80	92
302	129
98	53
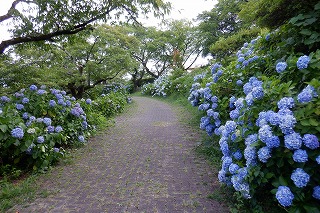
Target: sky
181	9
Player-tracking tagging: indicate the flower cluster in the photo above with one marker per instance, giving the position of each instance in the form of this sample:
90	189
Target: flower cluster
252	138
245	55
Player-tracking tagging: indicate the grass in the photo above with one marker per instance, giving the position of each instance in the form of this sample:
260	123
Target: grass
19	191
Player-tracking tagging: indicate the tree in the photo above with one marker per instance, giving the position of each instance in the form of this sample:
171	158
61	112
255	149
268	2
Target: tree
163	50
222	21
274	13
48	20
77	65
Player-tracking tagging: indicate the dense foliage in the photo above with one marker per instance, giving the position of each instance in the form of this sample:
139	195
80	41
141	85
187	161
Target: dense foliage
37	125
261	108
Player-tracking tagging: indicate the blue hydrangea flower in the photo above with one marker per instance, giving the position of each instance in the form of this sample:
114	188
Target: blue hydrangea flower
5	99
273	142
300	156
217	122
310	141
265	133
237	155
300	178
56	149
245	63
234	114
61	102
222	176
267	37
303	62
224	147
239	83
231	102
73	98
293	141
25	100
50	129
226	162
318	159
251	139
286	103
58	129
287	123
233	168
273	118
88	101
247	88
68	103
17	133
25	115
209	128
307	94
239	103
241	59
316	192
52	103
281	66
77	111
243	172
19	106
47	121
214	99
33	87
249	99
204	107
32	118
41	92
264	154
40	139
81	138
215	67
236	182
250	153
257	92
230	127
284	196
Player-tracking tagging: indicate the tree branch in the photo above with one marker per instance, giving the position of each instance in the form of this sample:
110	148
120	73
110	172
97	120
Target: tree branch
46	37
9	14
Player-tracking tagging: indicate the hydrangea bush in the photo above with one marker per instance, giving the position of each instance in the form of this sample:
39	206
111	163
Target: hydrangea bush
267	128
38	124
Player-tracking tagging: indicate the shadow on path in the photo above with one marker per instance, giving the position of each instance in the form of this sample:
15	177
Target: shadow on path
145	163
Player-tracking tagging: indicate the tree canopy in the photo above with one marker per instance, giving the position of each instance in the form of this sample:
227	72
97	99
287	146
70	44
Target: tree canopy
47	20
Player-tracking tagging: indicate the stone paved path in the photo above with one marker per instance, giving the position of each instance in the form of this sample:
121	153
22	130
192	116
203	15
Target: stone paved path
145	163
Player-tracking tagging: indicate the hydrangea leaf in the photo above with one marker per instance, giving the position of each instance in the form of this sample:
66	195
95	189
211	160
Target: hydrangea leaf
313	122
3	128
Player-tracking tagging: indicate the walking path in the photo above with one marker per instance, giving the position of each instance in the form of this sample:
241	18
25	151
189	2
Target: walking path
145	163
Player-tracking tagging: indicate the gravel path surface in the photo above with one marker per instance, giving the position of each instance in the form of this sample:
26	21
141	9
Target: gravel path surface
145	163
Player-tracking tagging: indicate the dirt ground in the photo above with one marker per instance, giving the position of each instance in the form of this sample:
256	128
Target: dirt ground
145	163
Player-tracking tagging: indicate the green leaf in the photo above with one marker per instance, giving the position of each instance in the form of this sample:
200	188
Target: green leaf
305	122
306	32
311	209
313	122
269	175
310	21
296	18
3	127
282	181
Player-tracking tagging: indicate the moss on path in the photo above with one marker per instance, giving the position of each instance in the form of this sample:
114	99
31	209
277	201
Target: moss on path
145	163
